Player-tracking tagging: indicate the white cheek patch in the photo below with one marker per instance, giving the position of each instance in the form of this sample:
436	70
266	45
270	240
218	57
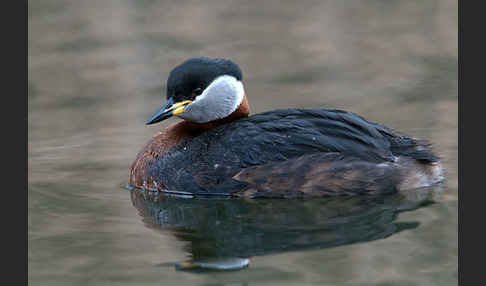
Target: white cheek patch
221	98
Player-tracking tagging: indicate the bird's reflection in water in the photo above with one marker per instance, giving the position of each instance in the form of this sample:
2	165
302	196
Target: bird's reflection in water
222	234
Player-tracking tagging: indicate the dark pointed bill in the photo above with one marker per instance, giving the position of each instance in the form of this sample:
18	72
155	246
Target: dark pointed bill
163	113
170	108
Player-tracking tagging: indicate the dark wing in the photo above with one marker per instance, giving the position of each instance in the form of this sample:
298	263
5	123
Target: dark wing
207	162
319	174
284	134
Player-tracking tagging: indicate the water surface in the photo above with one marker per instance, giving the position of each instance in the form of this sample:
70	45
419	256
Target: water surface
97	71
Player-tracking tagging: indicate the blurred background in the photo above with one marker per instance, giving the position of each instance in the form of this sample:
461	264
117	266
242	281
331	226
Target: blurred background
97	71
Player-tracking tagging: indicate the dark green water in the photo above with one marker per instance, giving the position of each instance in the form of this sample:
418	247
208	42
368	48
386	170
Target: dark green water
97	71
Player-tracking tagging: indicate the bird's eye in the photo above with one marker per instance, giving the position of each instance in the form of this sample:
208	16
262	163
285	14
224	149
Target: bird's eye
197	91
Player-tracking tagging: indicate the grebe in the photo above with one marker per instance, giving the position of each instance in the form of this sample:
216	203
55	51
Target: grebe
219	150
